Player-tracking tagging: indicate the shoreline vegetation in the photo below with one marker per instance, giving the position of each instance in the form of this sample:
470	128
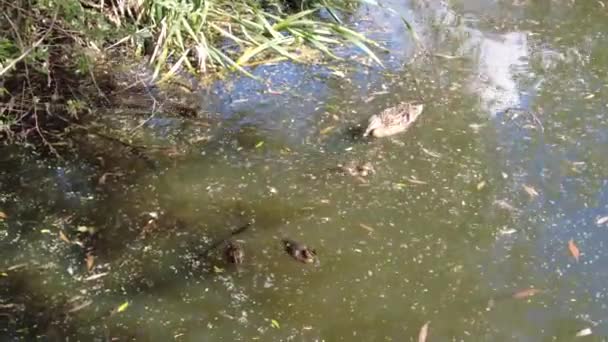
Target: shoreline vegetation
58	58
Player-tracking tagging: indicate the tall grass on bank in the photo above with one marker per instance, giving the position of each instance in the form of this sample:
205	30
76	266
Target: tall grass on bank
48	47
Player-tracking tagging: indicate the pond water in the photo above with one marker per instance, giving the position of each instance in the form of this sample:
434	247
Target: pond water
488	218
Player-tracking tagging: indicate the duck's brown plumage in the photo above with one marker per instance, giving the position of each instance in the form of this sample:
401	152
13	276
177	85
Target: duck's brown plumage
393	120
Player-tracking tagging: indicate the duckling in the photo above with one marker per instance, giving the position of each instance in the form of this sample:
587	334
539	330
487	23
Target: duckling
300	252
356	170
393	120
234	253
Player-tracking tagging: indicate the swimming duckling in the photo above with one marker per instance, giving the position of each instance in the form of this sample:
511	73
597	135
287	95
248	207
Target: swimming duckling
300	252
234	253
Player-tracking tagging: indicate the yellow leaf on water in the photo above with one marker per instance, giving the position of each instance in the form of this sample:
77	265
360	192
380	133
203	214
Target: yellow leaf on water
424	332
326	130
274	324
123	307
259	144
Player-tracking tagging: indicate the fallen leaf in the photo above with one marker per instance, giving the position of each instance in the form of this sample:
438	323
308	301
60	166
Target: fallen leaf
584	332
90	261
3	215
602	220
63	237
481	185
259	144
522	294
415	181
589	96
424	332
217	269
574	251
96	276
431	153
80	306
123	307
366	227
531	191
326	130
274	324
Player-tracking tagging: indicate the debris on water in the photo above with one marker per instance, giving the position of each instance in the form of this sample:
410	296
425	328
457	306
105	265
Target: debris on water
430	153
414	180
507	231
502	204
275	324
90	260
476	127
366	227
424	332
272	190
122	307
481	185
530	191
80	306
589	96
584	332
326	130
63	237
526	293
448	57
96	276
602	220
574	251
259	144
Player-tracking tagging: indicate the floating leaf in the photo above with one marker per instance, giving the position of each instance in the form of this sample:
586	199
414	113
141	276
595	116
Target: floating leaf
259	144
584	332
45	231
589	96
123	307
326	130
602	220
366	227
63	237
2	216
96	276
90	261
424	332
481	185
531	191
574	251
522	294
274	324
217	269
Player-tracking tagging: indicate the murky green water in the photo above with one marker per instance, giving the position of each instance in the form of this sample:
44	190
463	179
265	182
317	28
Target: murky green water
474	204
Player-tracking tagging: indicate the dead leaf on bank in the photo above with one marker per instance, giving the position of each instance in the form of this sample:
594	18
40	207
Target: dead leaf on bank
530	191
526	293
424	332
574	251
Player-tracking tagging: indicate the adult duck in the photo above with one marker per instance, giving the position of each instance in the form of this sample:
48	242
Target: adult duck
393	120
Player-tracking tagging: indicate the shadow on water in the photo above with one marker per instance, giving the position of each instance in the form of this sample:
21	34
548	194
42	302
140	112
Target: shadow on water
465	222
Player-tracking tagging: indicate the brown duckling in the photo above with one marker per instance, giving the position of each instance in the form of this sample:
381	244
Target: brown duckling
356	169
300	252
234	253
